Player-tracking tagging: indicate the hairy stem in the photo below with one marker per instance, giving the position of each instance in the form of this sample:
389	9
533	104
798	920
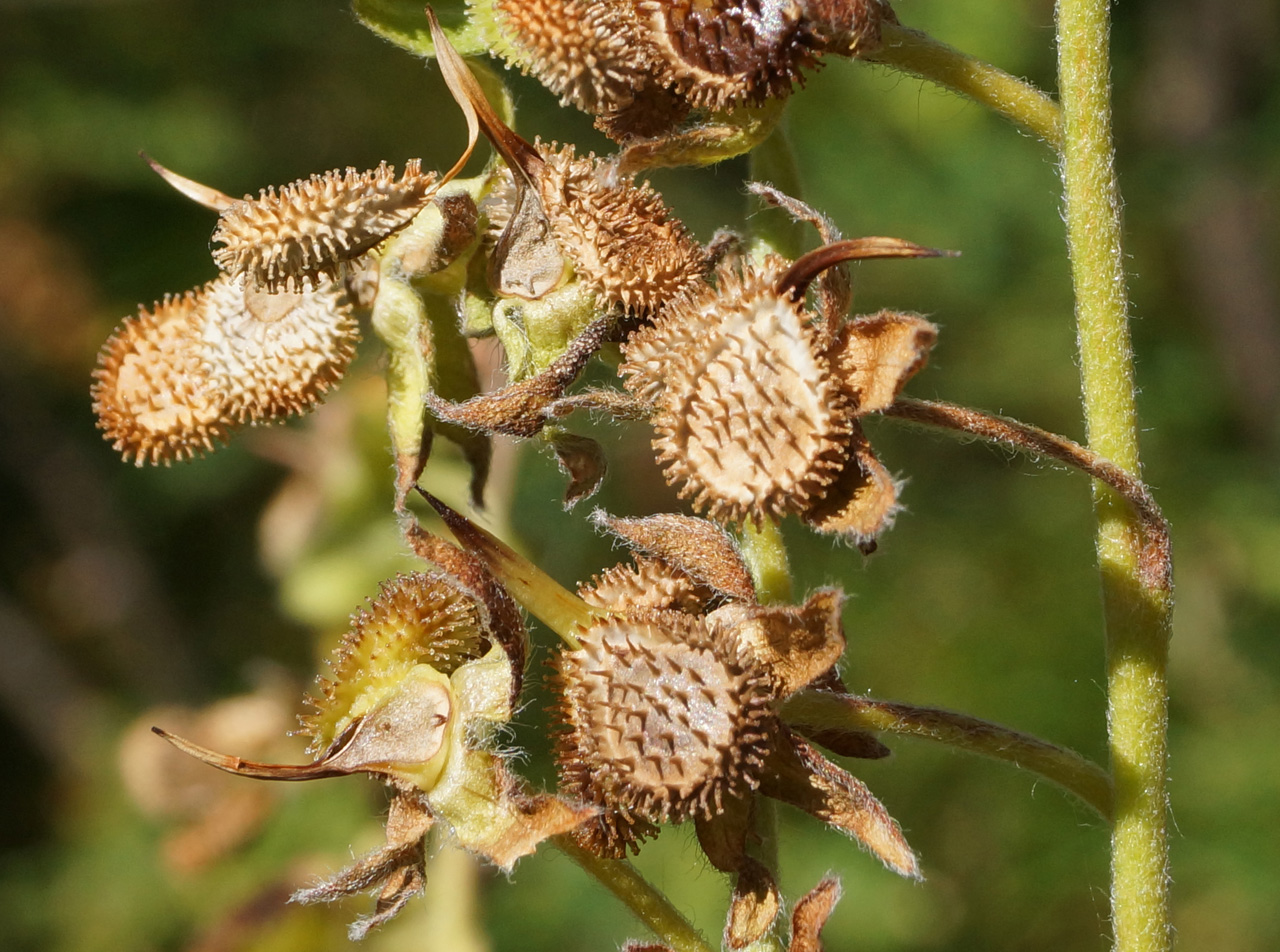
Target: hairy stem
1076	774
1137	609
1016	99
1155	560
648	904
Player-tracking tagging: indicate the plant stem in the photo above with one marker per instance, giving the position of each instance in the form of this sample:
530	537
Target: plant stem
1016	99
765	553
648	904
1071	771
1137	612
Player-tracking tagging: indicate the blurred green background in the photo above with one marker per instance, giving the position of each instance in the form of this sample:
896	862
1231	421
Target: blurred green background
205	596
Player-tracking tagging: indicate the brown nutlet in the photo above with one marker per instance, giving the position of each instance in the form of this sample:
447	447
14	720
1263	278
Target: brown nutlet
661	722
750	421
172	382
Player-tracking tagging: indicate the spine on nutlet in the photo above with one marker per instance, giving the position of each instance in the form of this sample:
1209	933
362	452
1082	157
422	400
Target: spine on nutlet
289	239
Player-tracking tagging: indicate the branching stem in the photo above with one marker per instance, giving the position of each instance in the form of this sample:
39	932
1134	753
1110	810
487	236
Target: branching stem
1138	607
1016	99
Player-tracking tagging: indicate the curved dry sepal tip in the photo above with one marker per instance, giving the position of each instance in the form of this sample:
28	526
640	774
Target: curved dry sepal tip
811	913
250	768
796	279
559	609
204	195
471	99
696	547
798	774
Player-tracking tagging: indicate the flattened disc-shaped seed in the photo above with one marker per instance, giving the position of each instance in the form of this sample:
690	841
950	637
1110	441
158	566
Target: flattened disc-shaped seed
584	51
664	721
287	240
720	53
270	355
150	392
750	422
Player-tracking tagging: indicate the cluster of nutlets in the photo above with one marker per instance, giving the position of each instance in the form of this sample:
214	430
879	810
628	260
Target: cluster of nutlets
673	677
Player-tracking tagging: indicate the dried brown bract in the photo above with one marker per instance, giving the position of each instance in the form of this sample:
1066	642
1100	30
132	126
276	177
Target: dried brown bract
289	239
172	382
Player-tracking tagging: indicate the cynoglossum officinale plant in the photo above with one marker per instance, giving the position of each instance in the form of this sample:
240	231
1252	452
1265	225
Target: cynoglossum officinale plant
690	685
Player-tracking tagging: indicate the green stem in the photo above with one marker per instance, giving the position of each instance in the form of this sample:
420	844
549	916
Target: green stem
1076	774
1016	99
765	553
1137	611
648	904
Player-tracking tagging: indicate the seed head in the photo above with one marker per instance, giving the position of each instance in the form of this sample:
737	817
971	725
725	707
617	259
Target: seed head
621	237
723	53
288	239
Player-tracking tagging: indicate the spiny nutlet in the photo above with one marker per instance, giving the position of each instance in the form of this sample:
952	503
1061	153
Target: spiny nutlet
150	393
720	53
649	585
621	237
587	52
288	239
660	719
172	382
421	618
750	421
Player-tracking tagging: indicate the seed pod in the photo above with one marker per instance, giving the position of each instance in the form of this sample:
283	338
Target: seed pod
150	392
660	720
172	383
750	422
286	240
418	619
649	585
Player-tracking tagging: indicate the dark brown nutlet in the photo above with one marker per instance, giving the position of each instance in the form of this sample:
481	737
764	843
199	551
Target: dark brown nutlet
660	720
722	53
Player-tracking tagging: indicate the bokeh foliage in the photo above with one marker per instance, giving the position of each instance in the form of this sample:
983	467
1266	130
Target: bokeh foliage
124	589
